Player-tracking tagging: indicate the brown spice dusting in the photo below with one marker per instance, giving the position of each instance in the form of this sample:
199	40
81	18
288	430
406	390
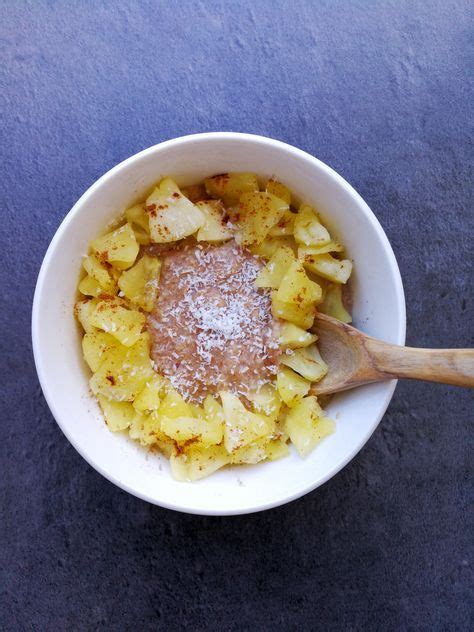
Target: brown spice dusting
181	447
111	379
103	256
212	328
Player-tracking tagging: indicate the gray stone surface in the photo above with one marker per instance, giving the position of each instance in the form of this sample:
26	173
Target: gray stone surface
380	90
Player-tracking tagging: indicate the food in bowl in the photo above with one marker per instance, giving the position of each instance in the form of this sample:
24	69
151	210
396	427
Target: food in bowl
197	314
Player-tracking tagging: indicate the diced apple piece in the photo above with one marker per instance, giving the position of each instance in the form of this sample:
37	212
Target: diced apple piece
302	316
138	218
146	428
328	267
118	415
197	462
215	227
307	362
270	245
119	247
214	415
308	229
195	192
296	287
173	405
272	274
306	425
266	401
198	411
250	454
124	371
122	323
140	283
307	252
212	409
294	337
83	311
171	215
256	214
149	398
284	226
291	386
181	429
333	305
165	445
100	273
136	214
95	345
89	287
228	187
241	426
279	190
276	449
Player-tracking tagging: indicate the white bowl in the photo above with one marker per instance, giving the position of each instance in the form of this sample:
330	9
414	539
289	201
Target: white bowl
379	309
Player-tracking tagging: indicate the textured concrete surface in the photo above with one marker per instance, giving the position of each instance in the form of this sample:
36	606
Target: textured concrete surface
379	90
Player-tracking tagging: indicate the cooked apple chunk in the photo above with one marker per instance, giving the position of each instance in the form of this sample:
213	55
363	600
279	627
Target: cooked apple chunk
171	215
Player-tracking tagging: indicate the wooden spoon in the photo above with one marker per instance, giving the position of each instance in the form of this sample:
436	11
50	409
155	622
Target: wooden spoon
354	358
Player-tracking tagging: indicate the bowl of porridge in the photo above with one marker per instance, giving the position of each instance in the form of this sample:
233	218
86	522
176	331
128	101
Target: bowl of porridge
176	351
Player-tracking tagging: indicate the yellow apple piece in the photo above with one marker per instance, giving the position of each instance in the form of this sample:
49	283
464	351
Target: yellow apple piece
118	415
256	213
307	252
140	283
274	271
138	218
307	425
300	315
228	187
89	287
333	305
276	449
195	192
242	426
296	287
124	371
173	405
124	324
150	397
196	462
308	229
293	337
83	311
279	190
182	429
170	214
307	362
291	386
99	273
266	401
215	227
327	266
270	245
95	345
119	247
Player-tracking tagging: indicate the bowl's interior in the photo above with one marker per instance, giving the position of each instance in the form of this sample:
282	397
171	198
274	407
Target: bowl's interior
378	310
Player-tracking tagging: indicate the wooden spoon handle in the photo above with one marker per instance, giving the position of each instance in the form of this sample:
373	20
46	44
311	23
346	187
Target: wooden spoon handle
448	366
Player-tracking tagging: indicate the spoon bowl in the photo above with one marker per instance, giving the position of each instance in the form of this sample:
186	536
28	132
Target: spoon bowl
354	358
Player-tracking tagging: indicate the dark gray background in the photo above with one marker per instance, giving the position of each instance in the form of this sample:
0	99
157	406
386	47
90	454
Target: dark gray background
381	92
